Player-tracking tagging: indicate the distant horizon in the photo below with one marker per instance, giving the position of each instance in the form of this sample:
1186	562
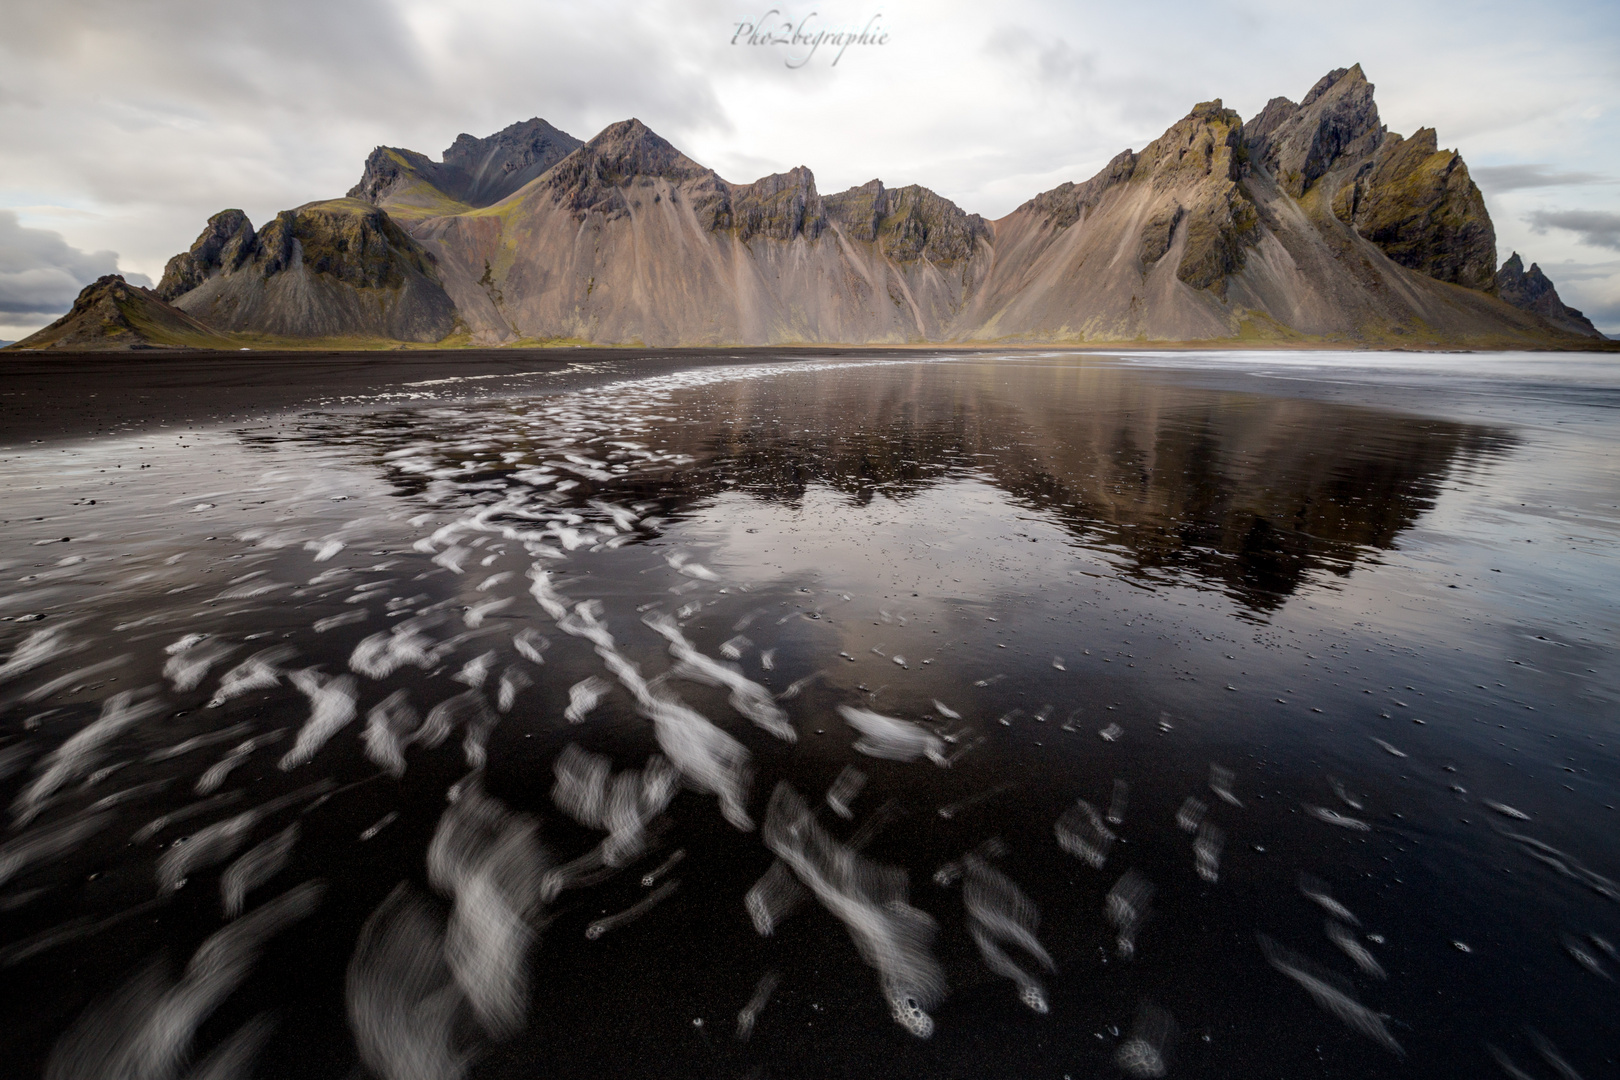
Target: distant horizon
122	141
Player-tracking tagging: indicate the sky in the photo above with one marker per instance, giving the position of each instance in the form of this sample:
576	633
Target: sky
124	125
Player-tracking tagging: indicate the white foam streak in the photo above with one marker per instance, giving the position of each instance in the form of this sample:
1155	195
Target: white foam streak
187	668
388	727
747	696
1330	997
145	1030
18	853
489	862
402	1003
891	739
39	647
255	868
258	672
332	707
998	912
623	806
870	900
81	752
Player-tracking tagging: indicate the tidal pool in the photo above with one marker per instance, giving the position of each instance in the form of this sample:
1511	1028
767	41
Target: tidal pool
1028	716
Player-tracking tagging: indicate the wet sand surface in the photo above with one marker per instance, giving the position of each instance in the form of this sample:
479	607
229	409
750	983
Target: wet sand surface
815	715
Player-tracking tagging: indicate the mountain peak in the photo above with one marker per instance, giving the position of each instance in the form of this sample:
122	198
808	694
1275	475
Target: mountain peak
1351	76
1298	145
474	172
593	176
631	148
1530	290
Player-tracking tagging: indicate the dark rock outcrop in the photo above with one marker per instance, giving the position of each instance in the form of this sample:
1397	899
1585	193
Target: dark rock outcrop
779	207
1299	144
1530	290
1201	158
481	172
224	246
909	223
110	314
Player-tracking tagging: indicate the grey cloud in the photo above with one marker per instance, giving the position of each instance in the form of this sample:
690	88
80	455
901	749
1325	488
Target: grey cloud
1500	178
41	273
1596	227
1581	271
1053	61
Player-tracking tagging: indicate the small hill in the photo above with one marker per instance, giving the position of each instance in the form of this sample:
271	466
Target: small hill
112	314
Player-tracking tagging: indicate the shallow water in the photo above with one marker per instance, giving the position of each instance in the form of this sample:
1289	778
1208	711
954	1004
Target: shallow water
1027	716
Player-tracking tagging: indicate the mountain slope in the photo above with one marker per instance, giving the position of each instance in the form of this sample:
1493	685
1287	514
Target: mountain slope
112	314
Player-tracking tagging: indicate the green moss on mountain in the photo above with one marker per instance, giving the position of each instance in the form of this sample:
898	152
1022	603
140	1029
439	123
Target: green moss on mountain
1419	204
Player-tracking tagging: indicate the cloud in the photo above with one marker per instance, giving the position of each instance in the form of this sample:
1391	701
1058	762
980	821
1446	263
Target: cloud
41	273
1500	178
1596	227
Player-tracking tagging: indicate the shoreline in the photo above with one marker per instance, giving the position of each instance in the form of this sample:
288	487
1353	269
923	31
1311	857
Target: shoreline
51	396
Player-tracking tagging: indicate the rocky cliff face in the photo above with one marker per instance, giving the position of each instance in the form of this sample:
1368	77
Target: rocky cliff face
335	269
111	314
1530	290
1299	144
910	223
1419	205
223	247
1310	221
627	239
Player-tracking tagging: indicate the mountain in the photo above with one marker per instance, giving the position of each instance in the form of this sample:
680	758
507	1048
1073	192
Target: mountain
473	172
1532	291
1309	222
111	314
340	269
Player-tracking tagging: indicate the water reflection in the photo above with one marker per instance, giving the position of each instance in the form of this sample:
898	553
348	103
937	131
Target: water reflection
1247	493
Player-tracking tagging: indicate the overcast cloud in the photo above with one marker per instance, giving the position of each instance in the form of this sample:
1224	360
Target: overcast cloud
124	125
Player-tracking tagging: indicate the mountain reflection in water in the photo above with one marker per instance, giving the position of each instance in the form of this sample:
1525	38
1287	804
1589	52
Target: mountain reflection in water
1031	716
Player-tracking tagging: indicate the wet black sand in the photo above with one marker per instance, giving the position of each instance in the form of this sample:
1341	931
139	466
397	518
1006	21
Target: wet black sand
1343	629
65	395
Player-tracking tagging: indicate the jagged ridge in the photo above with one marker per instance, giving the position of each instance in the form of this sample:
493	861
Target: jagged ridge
1309	221
1531	291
